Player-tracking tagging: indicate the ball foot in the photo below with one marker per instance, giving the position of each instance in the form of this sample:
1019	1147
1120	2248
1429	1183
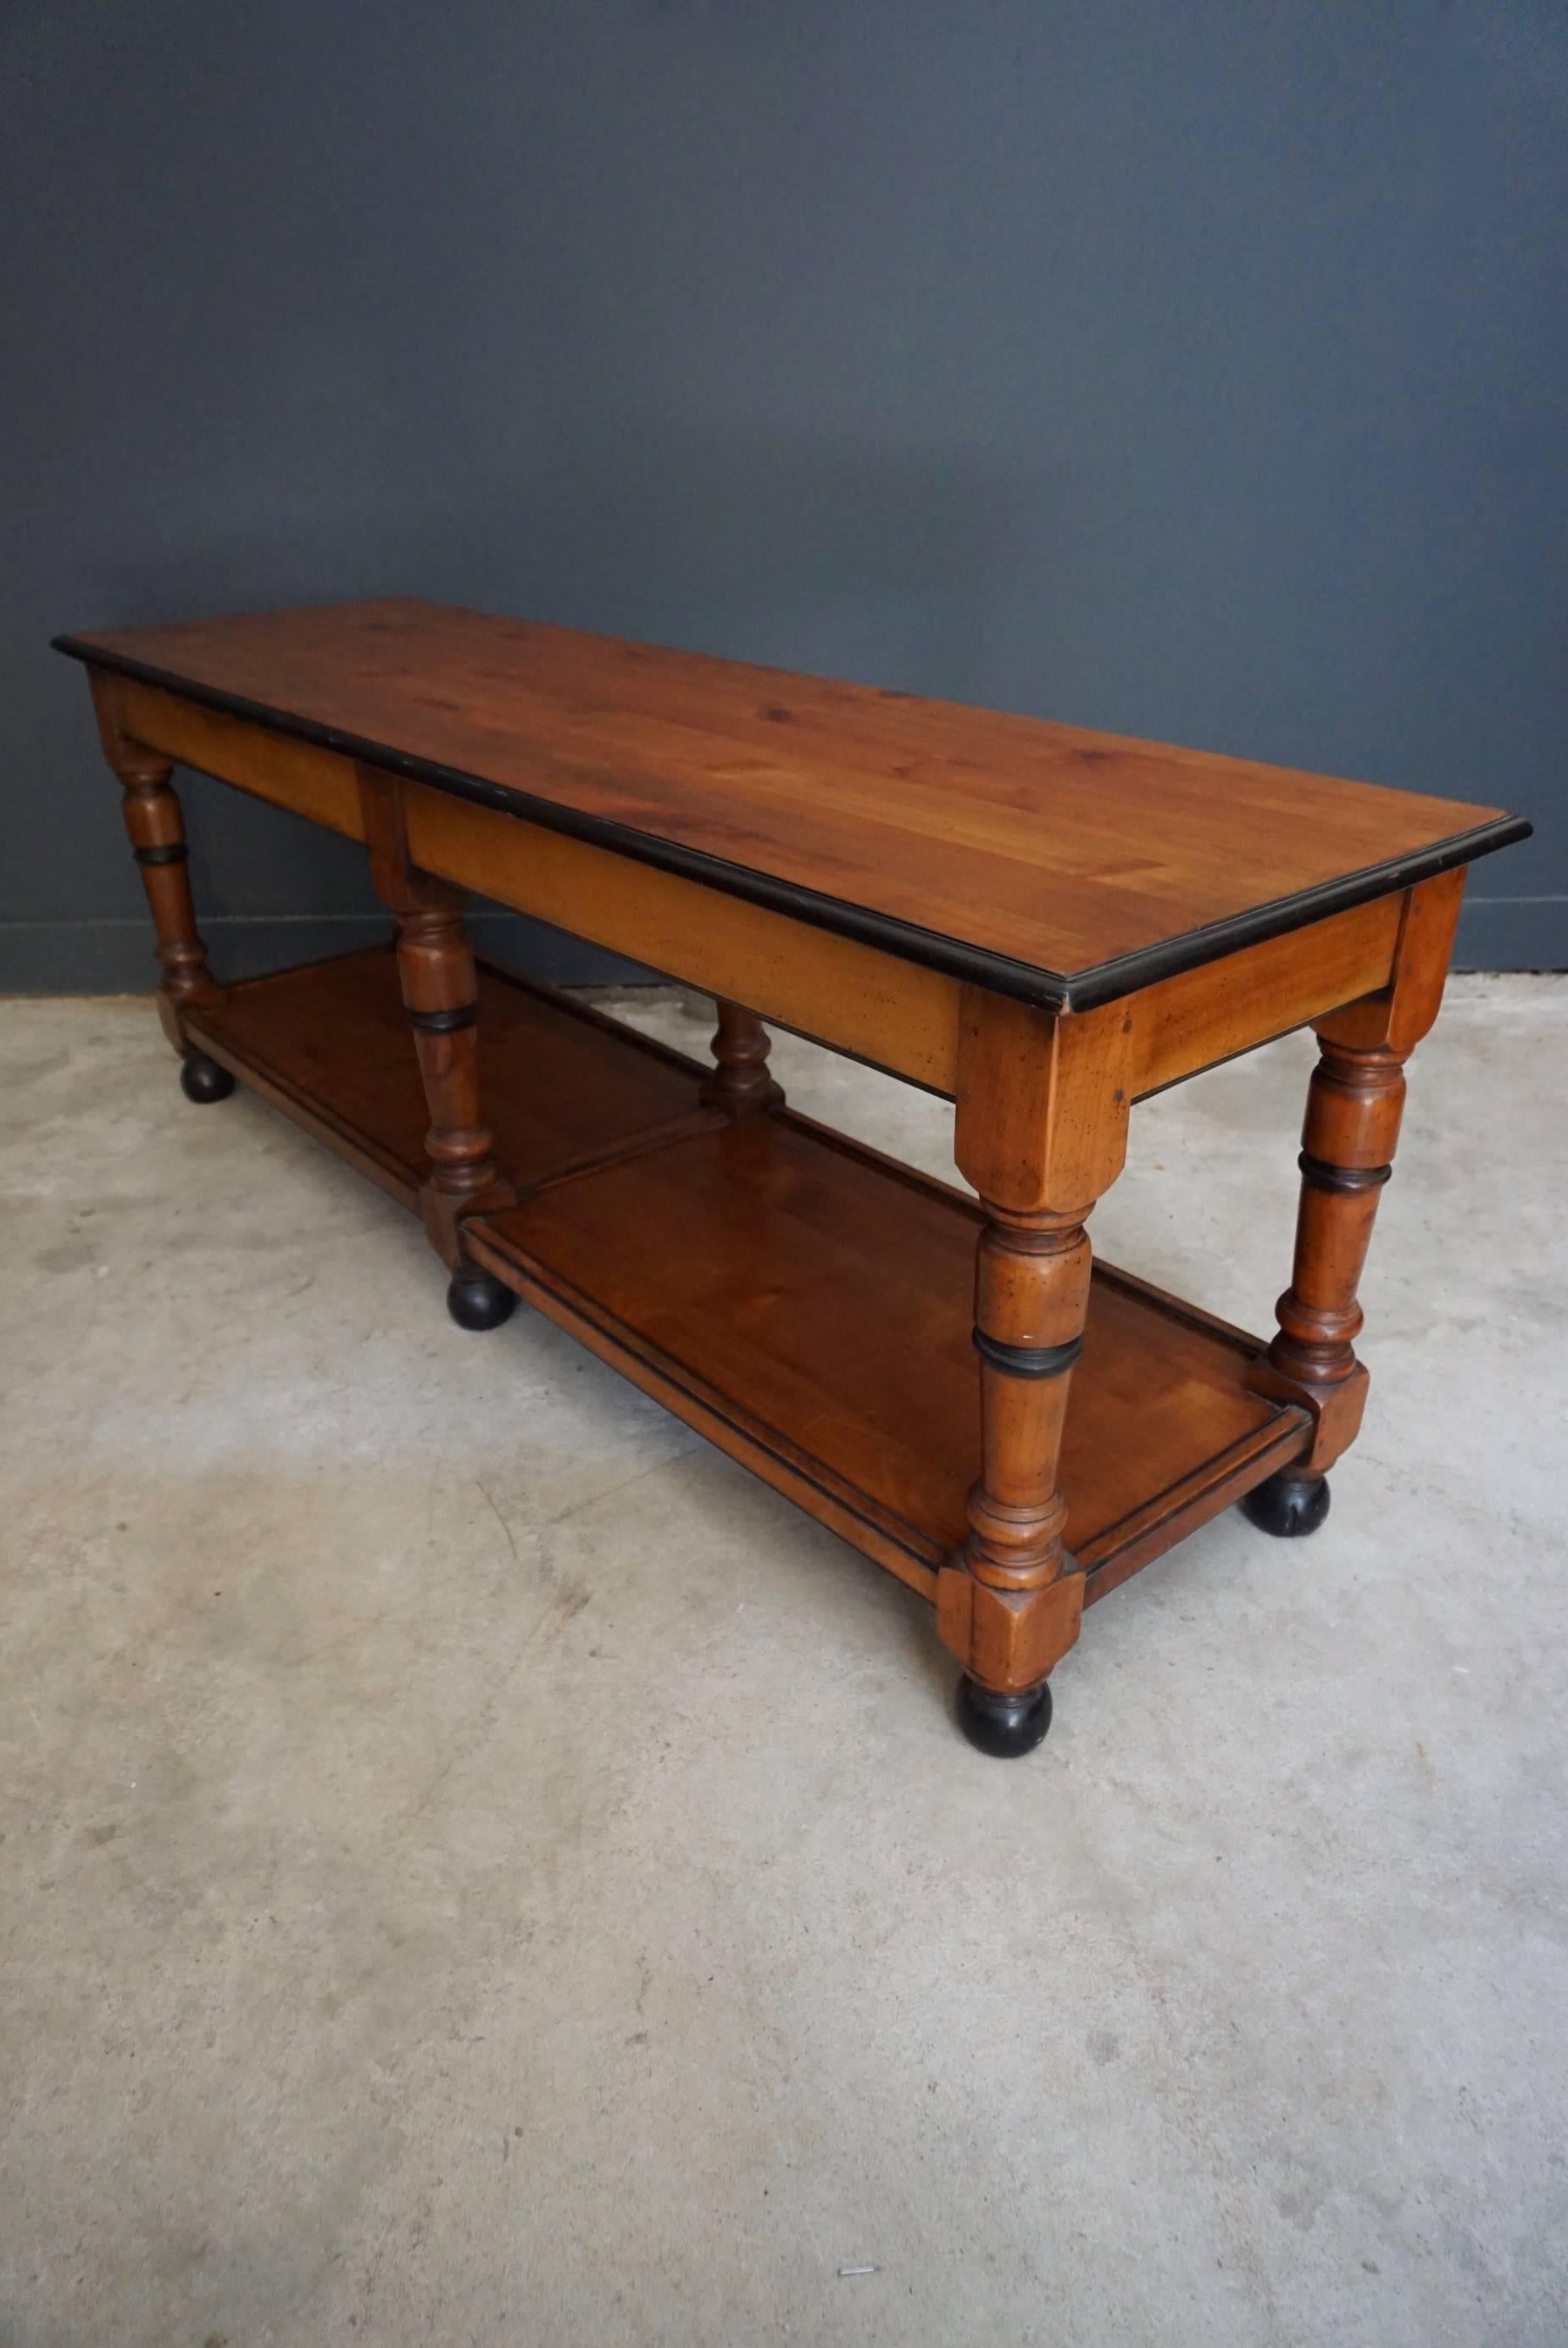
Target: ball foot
1006	1726
475	1300
201	1079
1287	1506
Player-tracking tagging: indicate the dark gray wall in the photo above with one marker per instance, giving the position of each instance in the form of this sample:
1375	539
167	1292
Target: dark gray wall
1193	370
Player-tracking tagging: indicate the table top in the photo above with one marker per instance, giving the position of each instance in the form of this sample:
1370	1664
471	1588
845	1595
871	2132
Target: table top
1062	866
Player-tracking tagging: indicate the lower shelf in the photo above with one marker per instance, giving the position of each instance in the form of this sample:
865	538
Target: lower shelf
330	1043
802	1301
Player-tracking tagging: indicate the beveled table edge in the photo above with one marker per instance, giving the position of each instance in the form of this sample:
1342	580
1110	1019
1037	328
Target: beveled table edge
1046	990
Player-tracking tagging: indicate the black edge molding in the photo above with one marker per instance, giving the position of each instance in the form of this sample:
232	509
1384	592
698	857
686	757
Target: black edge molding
1047	989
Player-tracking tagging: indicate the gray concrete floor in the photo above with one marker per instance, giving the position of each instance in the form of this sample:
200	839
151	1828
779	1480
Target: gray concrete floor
480	1868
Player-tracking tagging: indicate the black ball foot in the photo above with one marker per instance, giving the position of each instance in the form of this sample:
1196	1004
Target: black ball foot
1004	1726
477	1301
201	1079
1287	1506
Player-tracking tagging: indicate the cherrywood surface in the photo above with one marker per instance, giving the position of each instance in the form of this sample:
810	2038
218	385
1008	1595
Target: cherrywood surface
1059	864
895	1013
1190	1022
827	1308
562	1087
854	997
806	1302
1042	924
802	1300
320	785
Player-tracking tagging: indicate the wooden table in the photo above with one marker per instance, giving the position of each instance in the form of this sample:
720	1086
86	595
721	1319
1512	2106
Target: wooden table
1040	925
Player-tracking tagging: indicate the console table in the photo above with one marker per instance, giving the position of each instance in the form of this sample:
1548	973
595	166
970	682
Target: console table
1041	924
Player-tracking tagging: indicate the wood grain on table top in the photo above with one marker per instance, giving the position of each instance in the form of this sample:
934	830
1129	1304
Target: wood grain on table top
954	834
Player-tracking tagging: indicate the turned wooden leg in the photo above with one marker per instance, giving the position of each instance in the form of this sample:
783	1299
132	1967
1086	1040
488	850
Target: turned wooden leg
440	996
1041	1132
1025	1595
1353	1105
740	1084
157	833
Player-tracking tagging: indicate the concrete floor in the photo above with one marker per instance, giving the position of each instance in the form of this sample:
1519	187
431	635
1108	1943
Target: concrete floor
478	1867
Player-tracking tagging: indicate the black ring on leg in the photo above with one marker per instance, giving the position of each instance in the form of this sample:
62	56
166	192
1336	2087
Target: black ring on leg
202	1080
1006	1726
444	1023
1287	1506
